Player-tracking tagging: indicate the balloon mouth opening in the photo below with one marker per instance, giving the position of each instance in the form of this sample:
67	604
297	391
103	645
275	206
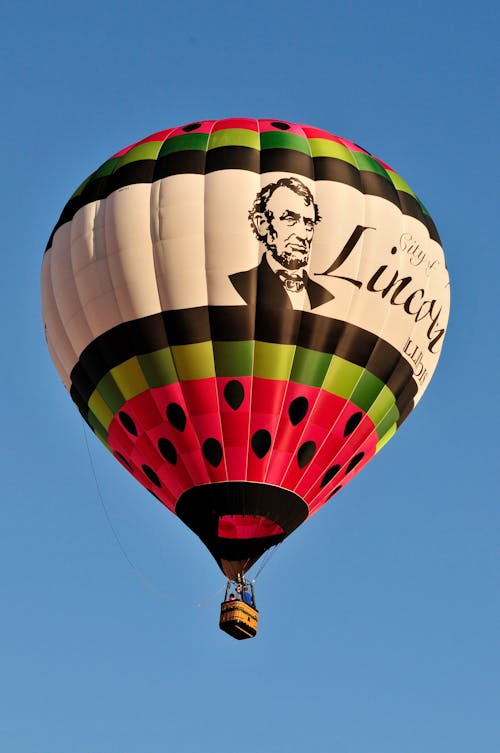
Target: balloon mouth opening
239	520
247	527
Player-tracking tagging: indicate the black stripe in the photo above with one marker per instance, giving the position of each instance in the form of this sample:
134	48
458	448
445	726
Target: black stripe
180	163
405	413
236	322
431	227
188	326
198	162
331	168
233	158
410	206
240	323
287	161
383	361
403	390
374	184
265	161
140	171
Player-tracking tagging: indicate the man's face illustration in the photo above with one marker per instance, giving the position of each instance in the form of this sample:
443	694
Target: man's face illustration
291	228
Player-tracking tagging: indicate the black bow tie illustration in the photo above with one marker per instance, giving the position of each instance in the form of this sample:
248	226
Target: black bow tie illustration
292	283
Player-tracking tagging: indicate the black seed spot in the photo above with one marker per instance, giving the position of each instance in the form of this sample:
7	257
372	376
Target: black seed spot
127	422
234	394
306	453
212	450
168	451
298	409
331	472
261	442
191	127
394	250
123	459
352	423
337	489
176	416
151	475
355	460
280	125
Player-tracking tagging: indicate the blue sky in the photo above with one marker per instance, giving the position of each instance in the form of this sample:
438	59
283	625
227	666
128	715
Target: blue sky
379	617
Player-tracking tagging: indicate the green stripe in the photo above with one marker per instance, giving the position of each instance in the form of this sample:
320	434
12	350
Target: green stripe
99	409
400	184
271	140
367	390
194	361
342	377
385	424
129	378
98	428
309	367
326	148
234	358
365	162
107	168
196	141
109	392
234	137
244	358
273	361
388	435
382	404
149	150
158	368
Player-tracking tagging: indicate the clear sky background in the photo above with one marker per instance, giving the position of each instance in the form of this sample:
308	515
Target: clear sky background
379	617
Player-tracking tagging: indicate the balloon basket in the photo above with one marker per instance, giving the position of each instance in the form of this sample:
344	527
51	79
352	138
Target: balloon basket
238	619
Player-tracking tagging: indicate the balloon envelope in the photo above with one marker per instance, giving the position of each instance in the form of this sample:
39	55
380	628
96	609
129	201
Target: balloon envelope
244	311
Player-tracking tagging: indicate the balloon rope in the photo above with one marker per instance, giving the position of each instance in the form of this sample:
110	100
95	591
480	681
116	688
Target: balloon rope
137	572
268	556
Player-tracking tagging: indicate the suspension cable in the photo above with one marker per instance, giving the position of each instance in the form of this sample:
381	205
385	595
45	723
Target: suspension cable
137	572
268	556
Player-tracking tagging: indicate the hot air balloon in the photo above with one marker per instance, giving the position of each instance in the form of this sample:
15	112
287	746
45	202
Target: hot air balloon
244	312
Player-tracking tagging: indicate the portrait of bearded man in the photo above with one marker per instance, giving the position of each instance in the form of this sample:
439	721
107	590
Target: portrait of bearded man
283	217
